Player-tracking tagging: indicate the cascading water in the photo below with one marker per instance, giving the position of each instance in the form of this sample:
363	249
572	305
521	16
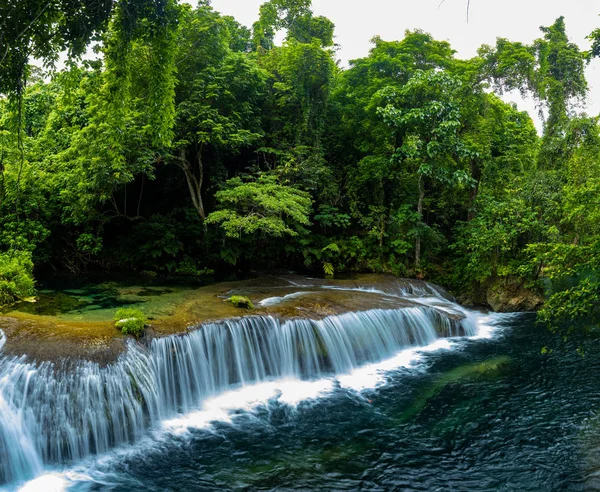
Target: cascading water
18	456
54	415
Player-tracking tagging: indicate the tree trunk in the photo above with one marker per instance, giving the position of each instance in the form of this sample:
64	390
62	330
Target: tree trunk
420	212
194	183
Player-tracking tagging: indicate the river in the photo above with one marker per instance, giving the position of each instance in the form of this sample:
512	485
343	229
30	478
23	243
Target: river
502	405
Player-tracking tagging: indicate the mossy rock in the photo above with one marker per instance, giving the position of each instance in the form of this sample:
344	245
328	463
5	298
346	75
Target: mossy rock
491	368
509	294
130	321
241	302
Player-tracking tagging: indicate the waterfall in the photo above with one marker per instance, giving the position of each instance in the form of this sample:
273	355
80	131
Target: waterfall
52	414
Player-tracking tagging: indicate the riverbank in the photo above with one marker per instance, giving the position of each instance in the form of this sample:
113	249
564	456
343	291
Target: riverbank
504	295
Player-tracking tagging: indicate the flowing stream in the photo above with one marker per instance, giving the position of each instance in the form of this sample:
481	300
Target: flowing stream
363	400
53	415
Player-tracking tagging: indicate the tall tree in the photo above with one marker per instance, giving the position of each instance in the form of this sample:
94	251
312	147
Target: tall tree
551	69
425	115
218	98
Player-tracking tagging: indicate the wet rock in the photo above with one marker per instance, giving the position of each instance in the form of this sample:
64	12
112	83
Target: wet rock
509	295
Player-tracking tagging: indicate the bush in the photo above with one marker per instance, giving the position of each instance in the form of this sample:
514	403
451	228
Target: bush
16	277
241	302
130	321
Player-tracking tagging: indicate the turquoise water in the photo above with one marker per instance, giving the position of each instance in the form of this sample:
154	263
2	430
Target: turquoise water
98	302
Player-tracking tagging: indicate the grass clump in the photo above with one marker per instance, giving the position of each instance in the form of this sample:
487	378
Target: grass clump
241	302
130	321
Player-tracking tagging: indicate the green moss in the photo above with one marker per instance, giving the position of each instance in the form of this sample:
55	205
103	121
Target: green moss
130	321
489	369
241	302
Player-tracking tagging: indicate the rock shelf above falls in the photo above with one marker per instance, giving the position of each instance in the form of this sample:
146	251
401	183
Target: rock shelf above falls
87	332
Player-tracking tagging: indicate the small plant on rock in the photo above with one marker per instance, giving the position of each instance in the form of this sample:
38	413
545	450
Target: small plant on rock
130	321
241	302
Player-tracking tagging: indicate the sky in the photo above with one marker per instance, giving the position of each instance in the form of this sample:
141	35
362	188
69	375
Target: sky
357	21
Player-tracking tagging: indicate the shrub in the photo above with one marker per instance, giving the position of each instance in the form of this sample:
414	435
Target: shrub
16	277
130	321
241	302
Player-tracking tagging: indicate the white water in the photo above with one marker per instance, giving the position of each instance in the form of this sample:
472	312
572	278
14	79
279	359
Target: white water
410	290
52	417
271	301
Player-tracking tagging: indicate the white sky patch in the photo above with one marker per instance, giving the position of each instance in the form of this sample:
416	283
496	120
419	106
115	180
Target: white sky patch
357	22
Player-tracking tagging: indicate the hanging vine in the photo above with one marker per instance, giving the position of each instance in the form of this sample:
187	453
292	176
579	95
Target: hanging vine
34	29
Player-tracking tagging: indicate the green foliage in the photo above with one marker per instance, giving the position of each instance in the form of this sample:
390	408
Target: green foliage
261	206
218	97
328	269
573	308
490	245
16	277
551	69
595	38
130	321
196	146
252	214
426	119
572	285
275	15
189	267
241	302
330	216
426	114
43	30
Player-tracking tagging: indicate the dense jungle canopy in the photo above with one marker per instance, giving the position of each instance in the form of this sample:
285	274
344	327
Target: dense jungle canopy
192	145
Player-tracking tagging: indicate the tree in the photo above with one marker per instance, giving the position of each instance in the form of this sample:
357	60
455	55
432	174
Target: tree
570	258
99	156
275	15
260	208
425	115
361	144
594	37
552	70
217	99
42	30
502	213
300	79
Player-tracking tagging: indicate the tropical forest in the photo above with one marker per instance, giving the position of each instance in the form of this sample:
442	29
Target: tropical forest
230	261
